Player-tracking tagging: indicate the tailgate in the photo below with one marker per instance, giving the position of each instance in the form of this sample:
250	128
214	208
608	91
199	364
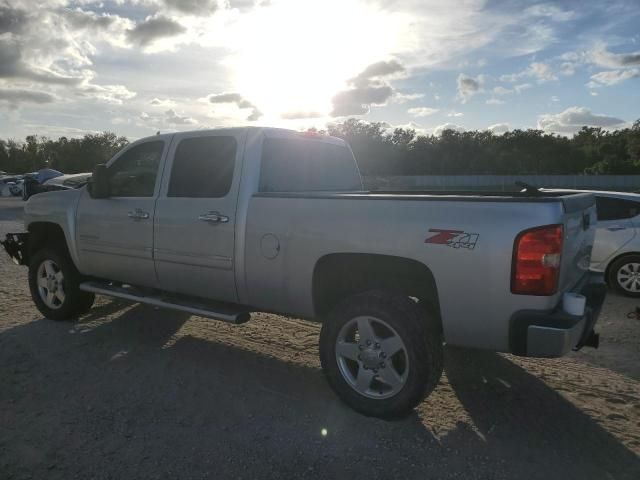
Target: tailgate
579	220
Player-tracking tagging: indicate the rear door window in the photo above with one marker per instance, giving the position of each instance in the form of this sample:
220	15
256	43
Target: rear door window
299	165
203	167
609	208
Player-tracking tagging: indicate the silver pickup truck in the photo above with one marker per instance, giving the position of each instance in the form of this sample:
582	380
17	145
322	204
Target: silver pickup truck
222	223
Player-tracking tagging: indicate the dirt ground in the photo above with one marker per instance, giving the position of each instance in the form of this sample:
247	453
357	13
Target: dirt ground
130	391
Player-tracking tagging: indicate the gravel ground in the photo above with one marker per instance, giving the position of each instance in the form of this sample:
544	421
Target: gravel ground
130	391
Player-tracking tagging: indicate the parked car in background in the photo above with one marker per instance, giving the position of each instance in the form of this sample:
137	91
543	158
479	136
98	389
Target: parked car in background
65	182
10	185
616	251
34	182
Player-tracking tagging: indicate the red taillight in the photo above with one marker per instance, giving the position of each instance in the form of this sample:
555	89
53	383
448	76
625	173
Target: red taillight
536	261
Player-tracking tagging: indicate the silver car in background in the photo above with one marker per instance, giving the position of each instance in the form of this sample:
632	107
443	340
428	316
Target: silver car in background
616	251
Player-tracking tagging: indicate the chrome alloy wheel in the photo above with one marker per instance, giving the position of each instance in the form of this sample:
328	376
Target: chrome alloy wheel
629	277
372	357
50	281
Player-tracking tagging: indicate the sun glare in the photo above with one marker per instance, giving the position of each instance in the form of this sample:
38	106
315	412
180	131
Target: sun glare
294	56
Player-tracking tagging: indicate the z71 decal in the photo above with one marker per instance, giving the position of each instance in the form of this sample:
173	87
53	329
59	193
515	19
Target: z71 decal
453	238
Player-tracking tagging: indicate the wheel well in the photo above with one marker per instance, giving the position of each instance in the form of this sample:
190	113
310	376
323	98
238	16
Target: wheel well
615	259
46	234
339	275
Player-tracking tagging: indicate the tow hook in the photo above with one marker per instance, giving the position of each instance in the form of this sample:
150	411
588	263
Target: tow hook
15	244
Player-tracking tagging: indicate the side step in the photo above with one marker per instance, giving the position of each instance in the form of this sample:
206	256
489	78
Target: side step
217	311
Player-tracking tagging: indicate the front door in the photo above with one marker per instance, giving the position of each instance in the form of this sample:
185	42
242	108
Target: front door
115	234
196	215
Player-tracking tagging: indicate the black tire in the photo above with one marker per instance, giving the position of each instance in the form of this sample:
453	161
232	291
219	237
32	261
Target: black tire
615	267
76	302
417	329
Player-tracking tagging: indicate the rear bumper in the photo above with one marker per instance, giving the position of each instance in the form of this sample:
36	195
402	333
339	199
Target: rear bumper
15	244
553	333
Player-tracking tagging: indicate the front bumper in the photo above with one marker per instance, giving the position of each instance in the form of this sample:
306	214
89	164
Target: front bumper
16	246
553	333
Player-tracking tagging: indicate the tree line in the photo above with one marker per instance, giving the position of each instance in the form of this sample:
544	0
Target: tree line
68	155
402	151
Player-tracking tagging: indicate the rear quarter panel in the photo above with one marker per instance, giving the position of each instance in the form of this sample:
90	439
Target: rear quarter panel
473	283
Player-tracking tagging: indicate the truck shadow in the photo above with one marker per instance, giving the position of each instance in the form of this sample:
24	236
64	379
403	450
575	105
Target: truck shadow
136	398
519	416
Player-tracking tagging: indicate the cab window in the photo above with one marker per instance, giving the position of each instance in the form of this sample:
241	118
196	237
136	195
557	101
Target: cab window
203	167
134	173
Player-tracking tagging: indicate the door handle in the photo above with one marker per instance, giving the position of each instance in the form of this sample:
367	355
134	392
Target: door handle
138	214
616	228
213	217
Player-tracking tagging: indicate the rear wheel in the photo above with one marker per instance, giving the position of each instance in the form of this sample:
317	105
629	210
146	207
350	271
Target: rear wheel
381	353
624	275
55	286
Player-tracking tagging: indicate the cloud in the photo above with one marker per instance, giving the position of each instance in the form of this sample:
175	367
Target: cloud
407	97
500	90
613	77
603	58
12	65
574	118
81	19
422	111
499	128
114	94
550	11
296	115
357	101
376	71
523	86
14	97
542	72
447	126
12	20
369	88
468	86
160	102
239	101
173	118
494	101
154	28
193	7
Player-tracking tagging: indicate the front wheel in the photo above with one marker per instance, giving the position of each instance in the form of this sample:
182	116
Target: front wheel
381	353
55	286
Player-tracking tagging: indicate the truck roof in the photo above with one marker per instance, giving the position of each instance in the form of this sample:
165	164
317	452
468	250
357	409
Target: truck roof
267	131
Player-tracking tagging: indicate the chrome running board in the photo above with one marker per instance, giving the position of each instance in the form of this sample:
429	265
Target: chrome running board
209	309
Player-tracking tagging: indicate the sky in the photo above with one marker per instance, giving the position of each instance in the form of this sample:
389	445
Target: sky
136	67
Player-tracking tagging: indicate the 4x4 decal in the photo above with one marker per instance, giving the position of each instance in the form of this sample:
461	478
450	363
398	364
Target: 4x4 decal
453	238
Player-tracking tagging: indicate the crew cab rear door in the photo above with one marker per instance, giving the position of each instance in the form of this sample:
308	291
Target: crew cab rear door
196	215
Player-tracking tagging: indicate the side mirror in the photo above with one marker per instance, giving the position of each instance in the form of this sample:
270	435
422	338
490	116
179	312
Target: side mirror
99	182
